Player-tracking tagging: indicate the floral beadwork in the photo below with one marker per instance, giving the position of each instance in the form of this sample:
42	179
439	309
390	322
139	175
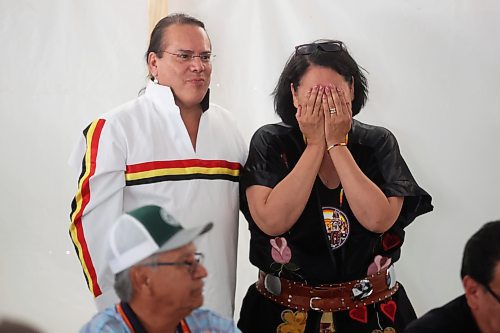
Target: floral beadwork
293	322
379	264
281	254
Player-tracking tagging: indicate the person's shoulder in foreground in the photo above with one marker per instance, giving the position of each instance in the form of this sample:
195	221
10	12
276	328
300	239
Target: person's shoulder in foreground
454	316
200	320
203	319
106	321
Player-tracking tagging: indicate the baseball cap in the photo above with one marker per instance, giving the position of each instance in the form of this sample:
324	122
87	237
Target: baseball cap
144	231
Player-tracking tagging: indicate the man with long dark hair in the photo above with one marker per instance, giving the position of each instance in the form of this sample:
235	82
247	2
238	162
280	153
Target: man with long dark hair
169	147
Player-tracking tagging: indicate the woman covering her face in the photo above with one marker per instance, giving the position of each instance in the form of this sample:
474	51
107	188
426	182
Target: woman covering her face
327	199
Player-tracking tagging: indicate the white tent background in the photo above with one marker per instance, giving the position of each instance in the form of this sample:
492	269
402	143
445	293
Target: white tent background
433	74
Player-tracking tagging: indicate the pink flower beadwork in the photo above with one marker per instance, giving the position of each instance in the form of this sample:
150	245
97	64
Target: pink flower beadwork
280	252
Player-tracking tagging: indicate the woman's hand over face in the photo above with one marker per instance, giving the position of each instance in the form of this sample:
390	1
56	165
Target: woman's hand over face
311	118
338	123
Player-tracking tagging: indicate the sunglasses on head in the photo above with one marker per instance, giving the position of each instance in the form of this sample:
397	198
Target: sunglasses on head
333	46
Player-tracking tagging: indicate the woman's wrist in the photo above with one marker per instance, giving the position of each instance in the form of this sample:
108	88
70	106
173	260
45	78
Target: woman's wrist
317	145
337	142
314	142
340	144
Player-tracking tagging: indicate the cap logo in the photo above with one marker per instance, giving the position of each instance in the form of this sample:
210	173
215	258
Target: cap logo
160	225
168	218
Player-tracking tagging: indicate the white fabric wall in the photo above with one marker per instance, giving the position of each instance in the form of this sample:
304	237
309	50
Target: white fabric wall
433	74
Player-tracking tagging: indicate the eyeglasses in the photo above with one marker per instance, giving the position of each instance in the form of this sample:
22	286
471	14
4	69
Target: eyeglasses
186	57
488	289
191	264
332	46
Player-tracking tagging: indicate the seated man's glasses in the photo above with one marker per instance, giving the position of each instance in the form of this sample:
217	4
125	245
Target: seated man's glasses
332	46
488	289
185	57
191	264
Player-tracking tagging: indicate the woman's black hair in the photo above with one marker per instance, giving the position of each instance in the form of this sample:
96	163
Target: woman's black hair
340	61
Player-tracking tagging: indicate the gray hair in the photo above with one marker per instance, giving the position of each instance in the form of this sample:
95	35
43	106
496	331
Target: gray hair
123	285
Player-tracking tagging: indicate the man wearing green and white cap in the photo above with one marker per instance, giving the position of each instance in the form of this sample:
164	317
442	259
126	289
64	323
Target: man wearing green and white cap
158	277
